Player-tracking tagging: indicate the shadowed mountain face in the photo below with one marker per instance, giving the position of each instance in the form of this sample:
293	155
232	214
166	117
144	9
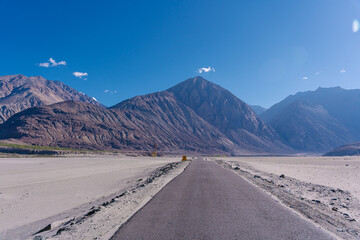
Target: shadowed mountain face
233	117
347	150
318	120
194	116
18	92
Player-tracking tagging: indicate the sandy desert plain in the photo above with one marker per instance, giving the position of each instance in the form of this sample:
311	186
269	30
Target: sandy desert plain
84	197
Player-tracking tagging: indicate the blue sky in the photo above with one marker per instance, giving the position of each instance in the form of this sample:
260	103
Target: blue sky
261	51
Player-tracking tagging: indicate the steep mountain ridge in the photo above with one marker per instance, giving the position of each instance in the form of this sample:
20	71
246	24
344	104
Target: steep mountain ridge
207	120
81	125
18	92
233	117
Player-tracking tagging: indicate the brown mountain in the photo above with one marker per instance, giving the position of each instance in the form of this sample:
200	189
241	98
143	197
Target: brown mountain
147	120
18	92
233	117
193	116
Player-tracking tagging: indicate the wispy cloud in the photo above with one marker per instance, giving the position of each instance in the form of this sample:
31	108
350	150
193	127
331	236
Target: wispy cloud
109	91
305	78
343	70
206	69
52	63
355	26
317	73
80	75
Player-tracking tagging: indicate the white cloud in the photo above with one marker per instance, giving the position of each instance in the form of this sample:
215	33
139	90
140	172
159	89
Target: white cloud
80	75
318	72
45	64
108	91
305	78
355	26
206	69
52	62
343	70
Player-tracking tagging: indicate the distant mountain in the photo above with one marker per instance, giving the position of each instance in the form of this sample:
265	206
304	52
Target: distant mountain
258	109
18	92
317	121
139	126
194	116
233	117
347	150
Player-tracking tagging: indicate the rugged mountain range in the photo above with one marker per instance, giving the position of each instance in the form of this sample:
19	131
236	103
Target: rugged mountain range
317	121
82	125
233	117
18	92
195	115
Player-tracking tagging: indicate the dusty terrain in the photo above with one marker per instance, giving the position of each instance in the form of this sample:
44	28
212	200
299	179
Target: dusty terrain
323	189
35	192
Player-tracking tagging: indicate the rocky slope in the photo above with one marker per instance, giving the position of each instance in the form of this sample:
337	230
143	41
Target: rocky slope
81	125
193	116
317	121
18	92
233	117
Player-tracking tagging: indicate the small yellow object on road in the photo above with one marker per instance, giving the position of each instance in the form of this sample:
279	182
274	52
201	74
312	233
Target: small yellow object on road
183	158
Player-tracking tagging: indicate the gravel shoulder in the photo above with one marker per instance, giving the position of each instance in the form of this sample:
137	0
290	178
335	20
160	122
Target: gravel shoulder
334	209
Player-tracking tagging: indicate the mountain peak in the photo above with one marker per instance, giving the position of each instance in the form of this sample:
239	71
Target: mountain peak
198	83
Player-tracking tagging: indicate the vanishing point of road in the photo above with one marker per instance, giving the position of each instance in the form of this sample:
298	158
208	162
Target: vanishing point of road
208	202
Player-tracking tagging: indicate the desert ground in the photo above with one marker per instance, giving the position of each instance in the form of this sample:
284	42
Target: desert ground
34	189
87	197
322	189
336	172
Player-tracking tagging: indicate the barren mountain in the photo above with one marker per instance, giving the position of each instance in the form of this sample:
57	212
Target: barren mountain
346	150
18	92
233	117
194	116
317	121
140	126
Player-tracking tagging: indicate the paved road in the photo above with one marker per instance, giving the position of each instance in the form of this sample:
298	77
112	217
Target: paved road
208	202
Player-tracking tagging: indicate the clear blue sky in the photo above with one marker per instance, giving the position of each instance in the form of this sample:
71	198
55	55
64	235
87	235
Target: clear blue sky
262	51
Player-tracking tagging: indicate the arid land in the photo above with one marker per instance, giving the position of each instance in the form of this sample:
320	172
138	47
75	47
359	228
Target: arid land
324	190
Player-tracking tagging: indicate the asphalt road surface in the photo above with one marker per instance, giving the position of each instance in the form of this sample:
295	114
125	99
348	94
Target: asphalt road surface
208	202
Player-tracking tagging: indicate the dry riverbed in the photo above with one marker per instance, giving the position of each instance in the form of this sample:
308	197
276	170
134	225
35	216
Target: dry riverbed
324	190
77	197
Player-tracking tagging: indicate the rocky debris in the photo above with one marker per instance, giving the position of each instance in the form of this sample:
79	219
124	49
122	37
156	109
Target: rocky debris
292	193
282	176
39	238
